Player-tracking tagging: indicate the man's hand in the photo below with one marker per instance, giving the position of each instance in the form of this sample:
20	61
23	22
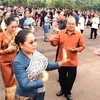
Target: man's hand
72	49
51	36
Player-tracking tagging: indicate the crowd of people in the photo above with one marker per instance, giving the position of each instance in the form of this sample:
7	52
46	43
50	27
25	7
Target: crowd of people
46	17
18	44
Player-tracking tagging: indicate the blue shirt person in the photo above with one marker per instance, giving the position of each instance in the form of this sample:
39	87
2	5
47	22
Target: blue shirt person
32	89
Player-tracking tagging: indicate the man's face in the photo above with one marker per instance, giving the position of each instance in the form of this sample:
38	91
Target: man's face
95	15
74	13
71	24
61	15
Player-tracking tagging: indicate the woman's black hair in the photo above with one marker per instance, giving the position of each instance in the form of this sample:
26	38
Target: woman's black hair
9	20
45	14
21	36
16	16
4	14
28	11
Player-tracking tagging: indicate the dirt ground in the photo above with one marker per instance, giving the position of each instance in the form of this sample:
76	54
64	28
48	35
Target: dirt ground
87	84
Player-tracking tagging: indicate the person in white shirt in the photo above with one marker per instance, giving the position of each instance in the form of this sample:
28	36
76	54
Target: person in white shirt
81	23
94	27
4	17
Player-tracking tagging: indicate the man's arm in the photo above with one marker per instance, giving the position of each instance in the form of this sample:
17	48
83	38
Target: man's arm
54	39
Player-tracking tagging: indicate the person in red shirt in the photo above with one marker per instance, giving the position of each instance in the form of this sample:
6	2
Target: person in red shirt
73	42
96	50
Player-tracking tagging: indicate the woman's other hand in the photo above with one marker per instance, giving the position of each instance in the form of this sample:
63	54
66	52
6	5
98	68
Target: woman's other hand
11	48
45	76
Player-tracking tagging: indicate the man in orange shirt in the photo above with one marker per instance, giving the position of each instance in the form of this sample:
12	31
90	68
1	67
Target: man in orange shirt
73	42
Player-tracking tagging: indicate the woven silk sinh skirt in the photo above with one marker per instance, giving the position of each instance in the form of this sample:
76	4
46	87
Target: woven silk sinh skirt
10	93
17	97
46	29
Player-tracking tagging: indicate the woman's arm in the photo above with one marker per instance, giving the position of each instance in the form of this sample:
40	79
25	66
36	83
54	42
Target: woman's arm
10	49
55	65
22	77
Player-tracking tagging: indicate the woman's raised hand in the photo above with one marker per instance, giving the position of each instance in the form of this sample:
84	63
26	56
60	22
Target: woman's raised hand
64	59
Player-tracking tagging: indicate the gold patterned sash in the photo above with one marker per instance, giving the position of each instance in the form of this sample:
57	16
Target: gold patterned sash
17	97
10	93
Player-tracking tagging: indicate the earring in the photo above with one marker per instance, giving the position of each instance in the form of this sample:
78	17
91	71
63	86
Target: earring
21	47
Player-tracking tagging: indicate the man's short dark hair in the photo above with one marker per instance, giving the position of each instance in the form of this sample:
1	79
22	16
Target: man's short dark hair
76	11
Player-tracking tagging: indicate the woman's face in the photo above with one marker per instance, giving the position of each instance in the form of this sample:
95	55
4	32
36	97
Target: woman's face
7	15
12	27
48	15
30	44
27	14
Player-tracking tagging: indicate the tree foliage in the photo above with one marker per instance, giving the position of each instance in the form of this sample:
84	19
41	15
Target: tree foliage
78	4
38	3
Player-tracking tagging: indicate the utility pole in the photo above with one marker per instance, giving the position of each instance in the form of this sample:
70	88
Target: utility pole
8	2
28	2
91	1
76	2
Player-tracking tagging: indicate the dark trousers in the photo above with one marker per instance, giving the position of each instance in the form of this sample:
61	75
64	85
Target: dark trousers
93	30
82	31
41	22
67	77
57	53
56	59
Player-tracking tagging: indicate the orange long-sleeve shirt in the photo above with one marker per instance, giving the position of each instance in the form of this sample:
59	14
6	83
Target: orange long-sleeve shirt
64	40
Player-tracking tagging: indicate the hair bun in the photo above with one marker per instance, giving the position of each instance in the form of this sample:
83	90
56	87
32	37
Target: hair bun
16	40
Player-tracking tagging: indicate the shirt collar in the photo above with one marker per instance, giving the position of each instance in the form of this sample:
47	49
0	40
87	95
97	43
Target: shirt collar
66	31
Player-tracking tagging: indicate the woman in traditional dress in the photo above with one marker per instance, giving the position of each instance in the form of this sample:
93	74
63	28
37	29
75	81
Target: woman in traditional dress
46	26
8	50
30	68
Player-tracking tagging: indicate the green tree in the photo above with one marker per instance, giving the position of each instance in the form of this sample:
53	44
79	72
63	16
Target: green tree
38	3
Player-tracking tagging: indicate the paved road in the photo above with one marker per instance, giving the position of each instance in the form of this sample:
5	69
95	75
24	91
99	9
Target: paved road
87	84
